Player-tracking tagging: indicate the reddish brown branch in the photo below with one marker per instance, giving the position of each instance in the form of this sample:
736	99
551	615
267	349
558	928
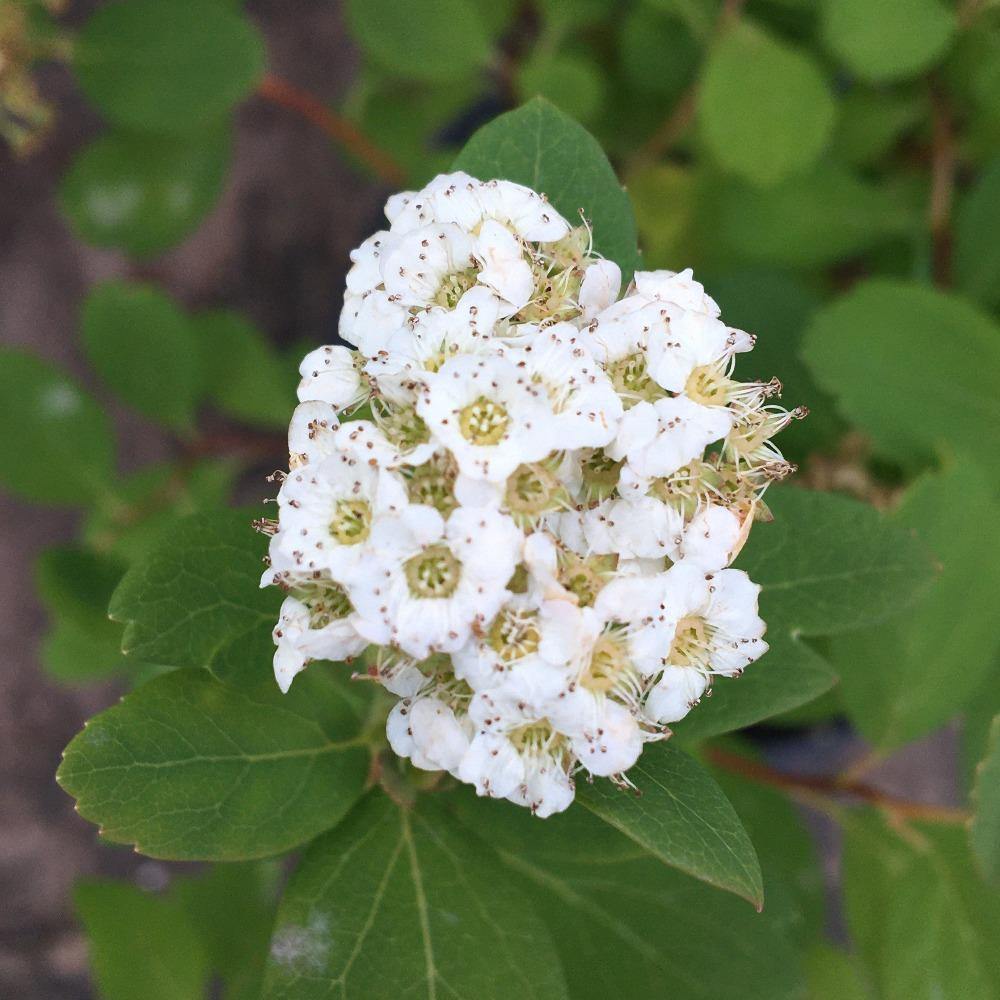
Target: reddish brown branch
943	164
809	786
345	133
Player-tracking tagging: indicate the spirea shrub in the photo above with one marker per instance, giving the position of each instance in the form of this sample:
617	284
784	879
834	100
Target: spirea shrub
528	534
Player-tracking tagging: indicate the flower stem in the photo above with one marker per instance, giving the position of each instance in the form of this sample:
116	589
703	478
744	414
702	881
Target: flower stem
810	787
343	132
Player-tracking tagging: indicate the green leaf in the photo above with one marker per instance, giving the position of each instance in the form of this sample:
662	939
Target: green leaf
807	221
74	655
887	41
765	110
196	592
57	445
828	564
537	145
793	880
985	829
977	721
246	378
626	925
776	306
325	693
871	122
681	816
140	945
231	909
907	677
423	39
916	368
148	504
167	67
77	584
144	193
573	83
834	975
923	925
789	675
977	256
397	903
666	199
657	53
189	768
144	348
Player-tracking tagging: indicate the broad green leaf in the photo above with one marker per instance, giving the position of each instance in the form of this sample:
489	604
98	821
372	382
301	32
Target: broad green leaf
765	110
144	193
57	445
977	256
76	584
818	218
144	348
657	53
400	903
624	924
148	504
231	909
246	378
890	40
539	146
977	721
920	921
915	368
140	945
325	692
666	200
573	83
776	307
871	122
905	678
189	768
828	564
422	39
985	829
790	674
196	592
793	880
75	655
167	67
834	975
679	814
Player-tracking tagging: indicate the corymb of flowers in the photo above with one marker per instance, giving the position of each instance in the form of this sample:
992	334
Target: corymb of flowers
529	538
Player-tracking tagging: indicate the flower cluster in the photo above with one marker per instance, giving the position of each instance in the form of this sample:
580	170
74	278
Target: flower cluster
528	539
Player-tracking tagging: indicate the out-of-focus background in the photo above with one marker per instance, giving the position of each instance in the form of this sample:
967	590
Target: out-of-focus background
791	151
275	247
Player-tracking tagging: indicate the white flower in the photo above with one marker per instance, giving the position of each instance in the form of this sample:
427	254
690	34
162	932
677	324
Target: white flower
489	414
430	581
602	281
328	512
427	731
330	374
311	433
586	409
680	288
319	628
657	439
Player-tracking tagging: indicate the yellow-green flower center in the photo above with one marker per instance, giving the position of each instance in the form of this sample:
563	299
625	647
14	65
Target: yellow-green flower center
435	572
532	490
708	386
690	645
608	661
484	422
433	484
513	635
351	521
630	377
333	605
454	286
